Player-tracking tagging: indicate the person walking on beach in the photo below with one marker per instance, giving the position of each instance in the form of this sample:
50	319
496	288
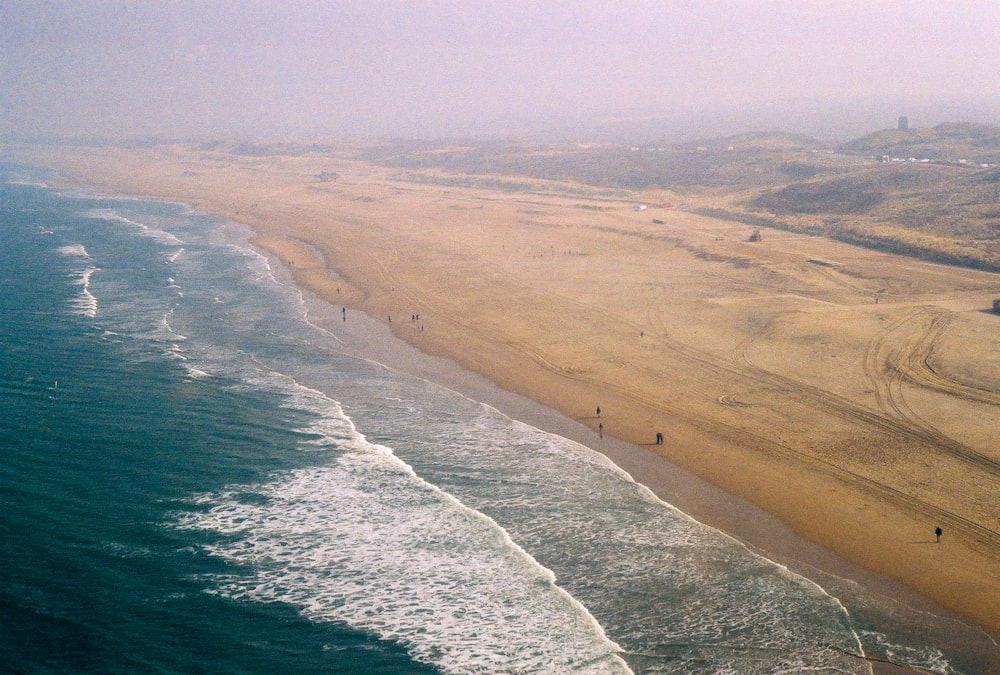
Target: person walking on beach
598	411
600	429
659	438
937	533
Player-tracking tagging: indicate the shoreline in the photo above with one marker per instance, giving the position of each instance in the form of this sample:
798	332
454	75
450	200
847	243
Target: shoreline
887	605
289	226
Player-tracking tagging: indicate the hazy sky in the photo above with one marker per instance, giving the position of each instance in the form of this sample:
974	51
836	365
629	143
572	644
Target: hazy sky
364	68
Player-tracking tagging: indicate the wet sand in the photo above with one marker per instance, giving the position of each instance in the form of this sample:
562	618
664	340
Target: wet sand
902	615
806	417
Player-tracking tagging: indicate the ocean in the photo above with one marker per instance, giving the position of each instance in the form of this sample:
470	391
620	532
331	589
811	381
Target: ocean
197	478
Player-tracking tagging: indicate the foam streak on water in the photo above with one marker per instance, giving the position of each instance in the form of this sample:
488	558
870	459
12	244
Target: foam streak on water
85	303
159	235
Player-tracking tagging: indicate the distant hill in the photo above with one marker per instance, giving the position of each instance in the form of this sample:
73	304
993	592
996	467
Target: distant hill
951	142
746	160
937	197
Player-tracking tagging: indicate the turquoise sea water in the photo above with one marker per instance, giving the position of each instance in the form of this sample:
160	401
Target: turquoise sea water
195	478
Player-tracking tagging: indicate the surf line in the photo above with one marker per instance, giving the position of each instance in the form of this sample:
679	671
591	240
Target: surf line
611	649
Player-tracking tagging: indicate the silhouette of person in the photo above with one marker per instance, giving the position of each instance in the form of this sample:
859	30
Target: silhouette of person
598	411
937	533
600	429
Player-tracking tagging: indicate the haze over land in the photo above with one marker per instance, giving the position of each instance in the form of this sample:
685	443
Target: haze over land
178	70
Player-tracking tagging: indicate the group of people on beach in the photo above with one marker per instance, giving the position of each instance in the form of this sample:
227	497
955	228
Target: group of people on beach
600	429
659	441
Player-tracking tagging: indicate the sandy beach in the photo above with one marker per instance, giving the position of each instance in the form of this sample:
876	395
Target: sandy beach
849	395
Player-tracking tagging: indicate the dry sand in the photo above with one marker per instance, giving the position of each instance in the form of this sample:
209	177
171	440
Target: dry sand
770	368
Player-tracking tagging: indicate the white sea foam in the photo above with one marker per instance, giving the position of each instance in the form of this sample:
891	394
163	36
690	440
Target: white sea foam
159	235
176	351
75	250
192	371
172	284
168	330
925	658
85	302
695	534
367	542
676	595
261	269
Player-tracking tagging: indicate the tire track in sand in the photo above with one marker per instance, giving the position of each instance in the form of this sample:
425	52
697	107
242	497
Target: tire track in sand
740	368
900	354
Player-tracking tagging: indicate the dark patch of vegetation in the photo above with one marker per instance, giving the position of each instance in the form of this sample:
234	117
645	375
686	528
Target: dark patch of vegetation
902	247
747	219
859	235
800	169
481	182
841	196
943	209
753	159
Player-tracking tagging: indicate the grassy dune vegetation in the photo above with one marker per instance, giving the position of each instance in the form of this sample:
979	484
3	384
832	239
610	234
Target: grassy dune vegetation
929	193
